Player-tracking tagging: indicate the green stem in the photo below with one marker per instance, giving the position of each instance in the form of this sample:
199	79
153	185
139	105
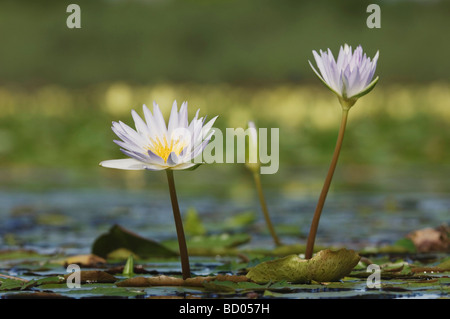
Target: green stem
179	226
257	178
326	187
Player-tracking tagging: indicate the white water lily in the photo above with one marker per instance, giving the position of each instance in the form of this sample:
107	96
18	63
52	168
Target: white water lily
350	77
155	146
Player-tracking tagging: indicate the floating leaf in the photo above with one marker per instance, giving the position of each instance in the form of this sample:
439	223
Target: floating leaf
445	265
175	281
240	220
53	219
104	291
119	237
90	276
193	226
88	260
327	265
233	266
212	244
121	254
43	281
290	268
19	254
134	282
11	284
330	265
406	243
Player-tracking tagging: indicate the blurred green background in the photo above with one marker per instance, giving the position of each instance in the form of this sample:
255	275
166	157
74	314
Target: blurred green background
60	88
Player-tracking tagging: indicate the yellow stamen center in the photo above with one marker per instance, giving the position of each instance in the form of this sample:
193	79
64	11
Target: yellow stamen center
163	148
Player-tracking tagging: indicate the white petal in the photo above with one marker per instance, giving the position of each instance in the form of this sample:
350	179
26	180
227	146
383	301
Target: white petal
321	79
173	119
151	124
132	134
159	121
172	160
127	163
128	146
319	62
139	156
155	158
206	129
124	136
183	116
199	148
140	125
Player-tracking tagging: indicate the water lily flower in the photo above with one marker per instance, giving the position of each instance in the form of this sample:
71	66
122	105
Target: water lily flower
155	146
350	77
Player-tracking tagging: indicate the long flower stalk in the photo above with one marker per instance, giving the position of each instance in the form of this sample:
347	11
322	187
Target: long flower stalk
185	268
262	201
326	187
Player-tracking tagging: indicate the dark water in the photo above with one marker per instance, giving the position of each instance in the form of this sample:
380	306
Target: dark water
365	207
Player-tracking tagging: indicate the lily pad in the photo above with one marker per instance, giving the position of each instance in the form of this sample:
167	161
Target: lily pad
88	260
192	223
163	280
325	266
19	254
119	237
121	254
11	284
290	268
89	276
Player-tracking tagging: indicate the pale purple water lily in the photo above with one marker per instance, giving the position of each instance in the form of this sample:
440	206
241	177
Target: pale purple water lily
350	77
155	146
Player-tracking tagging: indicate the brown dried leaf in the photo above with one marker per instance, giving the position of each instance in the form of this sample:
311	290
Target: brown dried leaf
431	239
175	281
89	260
91	276
134	282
